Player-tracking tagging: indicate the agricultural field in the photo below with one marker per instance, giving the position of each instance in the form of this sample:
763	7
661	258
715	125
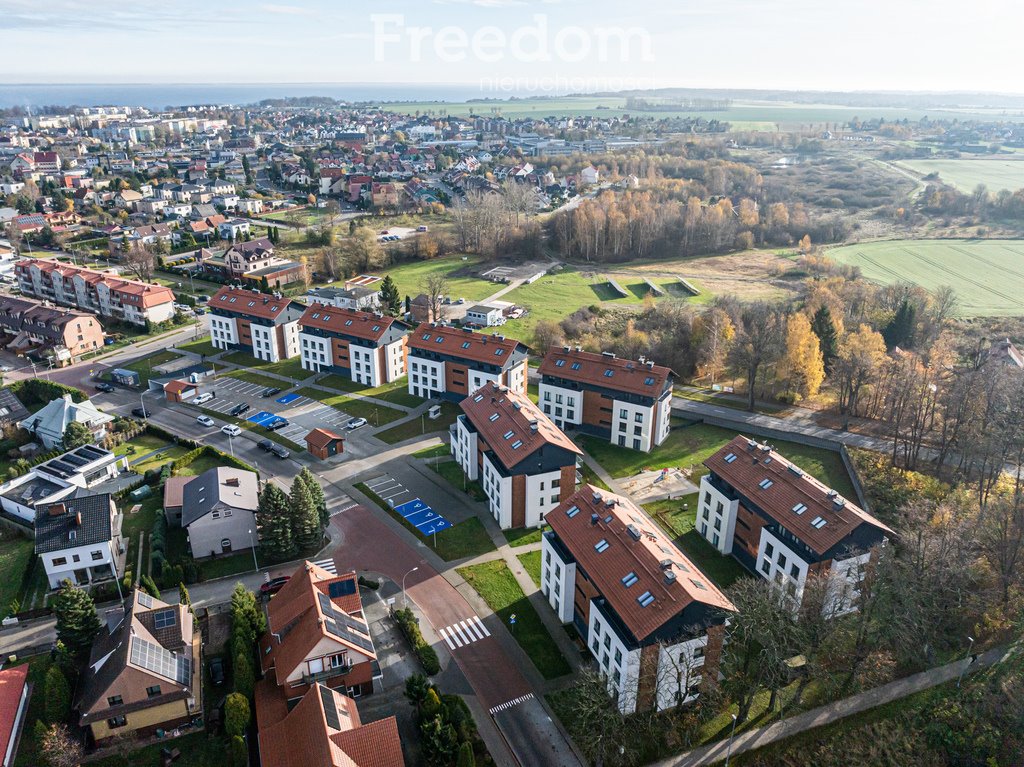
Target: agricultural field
966	173
988	275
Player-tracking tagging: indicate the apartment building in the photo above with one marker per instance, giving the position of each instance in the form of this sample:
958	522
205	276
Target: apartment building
31	328
627	402
367	347
653	621
784	525
263	325
525	464
452	363
102	293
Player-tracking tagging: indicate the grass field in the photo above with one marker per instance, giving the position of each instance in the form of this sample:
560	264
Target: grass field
256	378
15	556
291	368
496	584
420	426
988	275
410	277
377	415
396	392
965	174
531	563
200	346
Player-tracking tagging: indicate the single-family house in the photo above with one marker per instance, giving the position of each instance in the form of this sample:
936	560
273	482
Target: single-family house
218	508
79	539
49	423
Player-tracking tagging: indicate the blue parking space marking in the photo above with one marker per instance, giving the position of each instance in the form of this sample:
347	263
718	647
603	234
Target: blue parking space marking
262	418
435	526
422	517
287	398
416	517
410	507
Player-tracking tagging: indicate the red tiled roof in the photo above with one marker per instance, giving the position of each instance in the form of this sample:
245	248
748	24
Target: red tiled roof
321	438
475	347
635	544
516	413
627	375
789	487
251	302
12	685
150	295
350	322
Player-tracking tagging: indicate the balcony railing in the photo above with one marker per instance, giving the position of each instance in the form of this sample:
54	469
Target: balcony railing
329	673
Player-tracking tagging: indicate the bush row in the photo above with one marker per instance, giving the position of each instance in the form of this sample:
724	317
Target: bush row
410	626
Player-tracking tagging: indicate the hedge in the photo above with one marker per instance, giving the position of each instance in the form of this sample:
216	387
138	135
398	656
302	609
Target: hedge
410	626
41	391
193	455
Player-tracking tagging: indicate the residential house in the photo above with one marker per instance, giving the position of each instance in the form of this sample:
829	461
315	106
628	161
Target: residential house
452	363
368	348
265	326
145	672
524	463
654	623
218	508
251	256
249	207
14	694
84	468
589	175
627	402
61	335
234	229
128	199
384	195
485	315
323	729
79	539
49	423
784	525
317	634
1005	353
102	293
362	297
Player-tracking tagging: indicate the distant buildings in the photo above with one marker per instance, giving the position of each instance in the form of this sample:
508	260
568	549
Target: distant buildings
452	363
628	403
79	539
101	293
525	464
653	621
367	348
785	526
61	335
265	326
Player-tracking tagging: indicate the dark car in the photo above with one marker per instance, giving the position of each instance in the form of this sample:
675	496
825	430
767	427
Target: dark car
240	408
271	391
104	387
199	310
216	666
141	412
278	425
280	451
265	444
274	585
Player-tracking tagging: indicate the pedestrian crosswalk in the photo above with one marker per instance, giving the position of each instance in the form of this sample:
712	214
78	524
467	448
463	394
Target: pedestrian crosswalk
510	703
328	565
464	632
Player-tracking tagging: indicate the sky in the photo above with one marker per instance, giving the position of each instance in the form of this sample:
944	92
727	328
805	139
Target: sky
565	45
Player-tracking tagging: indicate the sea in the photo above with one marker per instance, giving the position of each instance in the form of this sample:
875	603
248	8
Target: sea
158	96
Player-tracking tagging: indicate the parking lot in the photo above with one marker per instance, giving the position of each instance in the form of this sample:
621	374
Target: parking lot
422	498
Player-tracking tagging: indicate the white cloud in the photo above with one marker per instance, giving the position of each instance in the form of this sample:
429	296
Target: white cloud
288	10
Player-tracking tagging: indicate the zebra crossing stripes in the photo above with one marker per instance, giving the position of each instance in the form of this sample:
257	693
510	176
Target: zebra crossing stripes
510	703
464	632
328	565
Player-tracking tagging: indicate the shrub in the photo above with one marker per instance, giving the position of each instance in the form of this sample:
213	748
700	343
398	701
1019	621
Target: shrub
57	703
236	714
410	626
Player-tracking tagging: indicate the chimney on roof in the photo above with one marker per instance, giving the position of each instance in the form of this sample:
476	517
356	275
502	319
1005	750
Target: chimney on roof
594	518
670	577
634	531
231	482
649	363
78	519
565	348
642	359
56	509
533	424
597	497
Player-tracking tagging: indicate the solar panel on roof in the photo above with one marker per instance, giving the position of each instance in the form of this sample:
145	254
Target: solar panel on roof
330	708
145	599
342	588
155	658
165	618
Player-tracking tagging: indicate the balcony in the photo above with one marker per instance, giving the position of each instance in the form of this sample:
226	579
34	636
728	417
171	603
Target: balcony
323	676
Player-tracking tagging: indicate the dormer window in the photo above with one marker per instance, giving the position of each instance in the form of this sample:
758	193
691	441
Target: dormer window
630	579
765	483
575	366
498	352
609	373
818	522
560	363
645	599
494	417
800	508
601	545
730	458
465	344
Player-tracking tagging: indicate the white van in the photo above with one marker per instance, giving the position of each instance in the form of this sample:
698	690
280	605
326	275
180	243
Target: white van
204	397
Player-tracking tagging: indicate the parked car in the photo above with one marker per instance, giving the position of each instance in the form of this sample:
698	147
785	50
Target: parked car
280	451
203	299
231	430
206	396
204	420
217	675
141	412
265	444
356	423
200	310
271	391
104	387
421	228
278	425
274	585
5	368
241	407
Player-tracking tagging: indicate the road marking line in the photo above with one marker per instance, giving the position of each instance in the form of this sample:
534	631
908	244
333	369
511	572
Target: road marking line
451	645
455	639
458	630
471	629
511	703
481	626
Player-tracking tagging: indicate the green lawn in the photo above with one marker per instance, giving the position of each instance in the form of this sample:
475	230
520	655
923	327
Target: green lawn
420	426
531	563
144	367
690	445
437	451
37	668
377	415
590	477
496	584
291	368
198	749
201	346
524	536
466	539
672	515
158	460
396	392
16	555
411	277
733	402
256	378
204	462
222	567
456	477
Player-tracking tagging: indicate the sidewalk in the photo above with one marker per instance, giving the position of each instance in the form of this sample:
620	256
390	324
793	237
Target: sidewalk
901	688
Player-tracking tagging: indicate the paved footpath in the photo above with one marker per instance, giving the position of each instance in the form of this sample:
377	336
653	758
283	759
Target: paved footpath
901	688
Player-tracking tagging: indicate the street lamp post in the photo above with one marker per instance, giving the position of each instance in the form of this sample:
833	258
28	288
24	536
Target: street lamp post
142	403
252	543
231	445
970	646
405	600
728	753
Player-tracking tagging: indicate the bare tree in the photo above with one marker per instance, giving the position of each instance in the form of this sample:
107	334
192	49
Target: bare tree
59	749
758	343
435	287
140	260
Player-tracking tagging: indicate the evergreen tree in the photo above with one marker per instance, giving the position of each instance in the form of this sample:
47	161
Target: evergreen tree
239	752
185	598
57	705
391	300
236	714
417	688
246	169
76	434
148	585
466	758
77	622
439	741
305	517
900	330
246	615
316	492
245	679
825	329
273	518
